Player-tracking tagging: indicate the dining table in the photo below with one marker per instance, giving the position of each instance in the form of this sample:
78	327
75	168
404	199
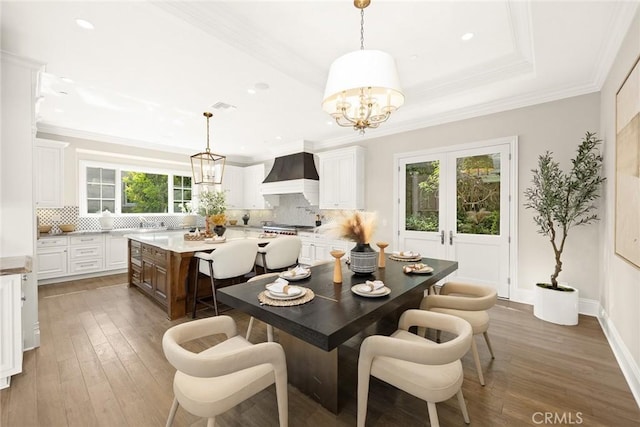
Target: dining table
312	332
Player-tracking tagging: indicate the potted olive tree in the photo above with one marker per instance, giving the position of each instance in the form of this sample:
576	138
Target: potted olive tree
562	201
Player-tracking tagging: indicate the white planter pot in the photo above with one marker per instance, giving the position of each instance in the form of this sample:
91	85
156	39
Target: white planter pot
189	220
556	306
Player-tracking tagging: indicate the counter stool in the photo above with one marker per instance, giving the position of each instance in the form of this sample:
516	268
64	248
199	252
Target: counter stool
280	253
230	260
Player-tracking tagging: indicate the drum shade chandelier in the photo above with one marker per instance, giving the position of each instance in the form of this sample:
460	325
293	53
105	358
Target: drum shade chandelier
207	167
363	88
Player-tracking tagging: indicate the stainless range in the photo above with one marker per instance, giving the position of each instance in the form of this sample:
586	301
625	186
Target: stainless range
286	229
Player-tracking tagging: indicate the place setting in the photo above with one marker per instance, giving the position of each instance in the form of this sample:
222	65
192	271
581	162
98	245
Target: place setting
281	294
405	256
418	268
371	289
297	273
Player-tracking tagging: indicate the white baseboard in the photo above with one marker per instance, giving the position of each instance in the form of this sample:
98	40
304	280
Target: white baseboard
627	364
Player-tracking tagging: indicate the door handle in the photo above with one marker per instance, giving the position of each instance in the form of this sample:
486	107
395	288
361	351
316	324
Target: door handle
450	237
442	237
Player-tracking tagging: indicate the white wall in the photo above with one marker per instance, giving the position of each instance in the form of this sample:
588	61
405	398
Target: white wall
556	126
620	293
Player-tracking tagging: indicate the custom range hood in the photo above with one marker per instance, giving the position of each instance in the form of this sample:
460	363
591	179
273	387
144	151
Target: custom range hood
293	174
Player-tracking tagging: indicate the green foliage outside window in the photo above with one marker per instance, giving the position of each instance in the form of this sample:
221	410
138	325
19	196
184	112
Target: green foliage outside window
144	193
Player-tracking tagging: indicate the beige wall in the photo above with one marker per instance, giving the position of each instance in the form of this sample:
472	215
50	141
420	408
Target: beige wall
620	293
555	126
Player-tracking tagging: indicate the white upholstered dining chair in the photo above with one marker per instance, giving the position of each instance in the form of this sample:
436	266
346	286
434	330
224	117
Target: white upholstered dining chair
279	253
215	380
423	368
230	260
469	302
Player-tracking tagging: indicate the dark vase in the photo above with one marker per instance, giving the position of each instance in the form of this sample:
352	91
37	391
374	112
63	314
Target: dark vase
364	260
245	219
219	230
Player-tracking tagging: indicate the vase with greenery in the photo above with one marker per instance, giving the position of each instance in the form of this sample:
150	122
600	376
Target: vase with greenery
562	200
212	206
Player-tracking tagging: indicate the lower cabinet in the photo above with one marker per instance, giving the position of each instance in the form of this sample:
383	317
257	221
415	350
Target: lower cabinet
10	327
317	248
148	270
115	256
53	257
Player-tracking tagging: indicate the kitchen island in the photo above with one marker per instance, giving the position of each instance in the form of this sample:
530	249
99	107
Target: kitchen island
160	264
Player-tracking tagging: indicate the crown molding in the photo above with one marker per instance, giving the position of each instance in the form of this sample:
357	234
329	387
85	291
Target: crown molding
609	50
479	110
214	19
22	60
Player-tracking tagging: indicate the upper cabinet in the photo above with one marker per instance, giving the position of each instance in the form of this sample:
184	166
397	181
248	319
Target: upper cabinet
48	166
233	186
342	178
253	177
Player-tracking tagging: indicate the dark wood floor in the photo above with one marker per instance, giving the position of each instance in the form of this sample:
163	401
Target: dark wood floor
100	363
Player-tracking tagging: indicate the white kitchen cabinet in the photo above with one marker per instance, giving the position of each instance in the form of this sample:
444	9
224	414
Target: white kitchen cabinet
342	178
116	255
253	177
52	254
48	167
10	327
317	248
233	186
86	253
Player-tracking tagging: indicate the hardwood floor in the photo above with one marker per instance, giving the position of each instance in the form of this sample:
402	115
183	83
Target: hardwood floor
101	363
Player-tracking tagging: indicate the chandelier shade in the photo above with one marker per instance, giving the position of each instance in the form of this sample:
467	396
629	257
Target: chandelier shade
363	87
207	167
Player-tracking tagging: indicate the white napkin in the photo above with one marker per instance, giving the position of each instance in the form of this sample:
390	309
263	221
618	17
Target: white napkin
406	254
298	271
372	285
281	286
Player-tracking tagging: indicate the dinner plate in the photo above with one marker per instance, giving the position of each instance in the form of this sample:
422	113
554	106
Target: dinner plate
287	275
407	257
267	235
424	270
285	297
361	290
212	240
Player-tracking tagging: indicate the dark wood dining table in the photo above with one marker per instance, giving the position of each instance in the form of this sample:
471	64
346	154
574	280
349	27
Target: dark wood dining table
311	333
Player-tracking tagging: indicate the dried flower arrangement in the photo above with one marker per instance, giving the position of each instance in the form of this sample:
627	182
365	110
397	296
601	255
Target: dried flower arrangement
353	225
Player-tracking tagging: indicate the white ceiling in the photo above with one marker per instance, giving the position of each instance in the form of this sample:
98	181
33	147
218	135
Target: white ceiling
148	70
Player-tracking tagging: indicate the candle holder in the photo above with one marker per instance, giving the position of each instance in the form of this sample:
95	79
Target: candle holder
337	268
381	258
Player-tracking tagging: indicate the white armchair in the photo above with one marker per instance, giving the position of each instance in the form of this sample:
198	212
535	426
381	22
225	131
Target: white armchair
469	302
215	380
427	370
280	253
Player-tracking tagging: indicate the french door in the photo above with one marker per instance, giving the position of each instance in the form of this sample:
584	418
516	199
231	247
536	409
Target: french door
456	205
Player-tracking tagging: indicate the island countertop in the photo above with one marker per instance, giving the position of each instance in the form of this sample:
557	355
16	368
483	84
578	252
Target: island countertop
174	240
15	265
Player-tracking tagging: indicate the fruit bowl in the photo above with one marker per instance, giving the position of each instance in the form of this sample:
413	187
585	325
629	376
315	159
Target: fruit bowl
44	228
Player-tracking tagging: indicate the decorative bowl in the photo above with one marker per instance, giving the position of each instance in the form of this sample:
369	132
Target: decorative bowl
233	221
44	228
66	228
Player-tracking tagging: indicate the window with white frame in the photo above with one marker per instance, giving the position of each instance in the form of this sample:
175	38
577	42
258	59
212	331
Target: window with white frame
126	189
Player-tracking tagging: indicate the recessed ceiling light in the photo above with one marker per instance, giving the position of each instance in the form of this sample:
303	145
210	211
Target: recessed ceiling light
413	57
278	138
251	91
467	36
58	110
329	122
261	86
84	24
66	79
